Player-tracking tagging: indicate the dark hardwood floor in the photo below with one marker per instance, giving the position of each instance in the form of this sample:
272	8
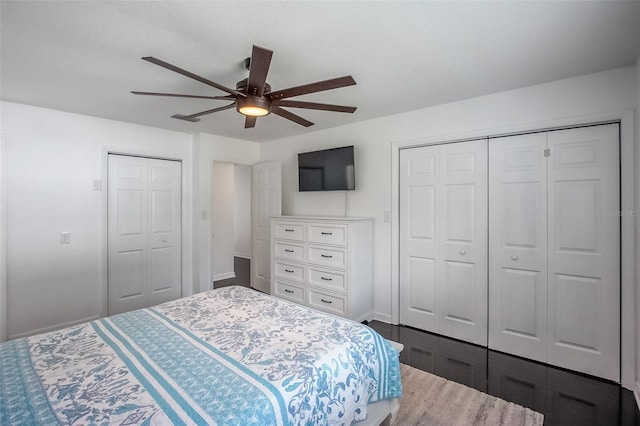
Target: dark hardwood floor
564	397
242	269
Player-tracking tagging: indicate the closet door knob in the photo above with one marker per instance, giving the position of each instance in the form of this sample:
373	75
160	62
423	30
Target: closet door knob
514	257
462	252
164	240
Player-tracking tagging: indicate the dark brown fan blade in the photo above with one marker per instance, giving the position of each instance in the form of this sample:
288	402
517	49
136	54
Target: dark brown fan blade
194	117
319	86
250	121
314	105
186	73
259	67
290	116
178	95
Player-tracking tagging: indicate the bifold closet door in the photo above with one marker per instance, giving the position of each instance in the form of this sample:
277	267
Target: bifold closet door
144	232
443	239
518	245
584	250
554	248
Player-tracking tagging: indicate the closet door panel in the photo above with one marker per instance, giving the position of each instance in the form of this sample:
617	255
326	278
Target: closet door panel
521	304
462	279
518	245
584	250
165	230
443	239
458	297
418	235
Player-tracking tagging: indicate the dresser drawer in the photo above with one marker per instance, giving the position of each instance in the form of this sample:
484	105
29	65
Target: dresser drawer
289	231
333	280
289	251
289	292
289	271
333	257
329	303
327	234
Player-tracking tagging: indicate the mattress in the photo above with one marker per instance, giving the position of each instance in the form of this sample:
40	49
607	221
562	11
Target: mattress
231	356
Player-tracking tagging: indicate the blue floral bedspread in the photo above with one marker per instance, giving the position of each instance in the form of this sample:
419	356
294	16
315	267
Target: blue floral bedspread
230	356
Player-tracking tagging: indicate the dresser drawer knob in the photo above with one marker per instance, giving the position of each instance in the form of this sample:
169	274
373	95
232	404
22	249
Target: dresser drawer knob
327	233
288	251
286	290
289	271
326	279
326	255
514	257
289	230
326	301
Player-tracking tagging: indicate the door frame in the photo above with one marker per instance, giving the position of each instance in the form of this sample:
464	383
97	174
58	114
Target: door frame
626	118
186	212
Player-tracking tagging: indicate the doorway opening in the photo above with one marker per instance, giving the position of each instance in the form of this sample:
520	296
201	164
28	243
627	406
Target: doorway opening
231	224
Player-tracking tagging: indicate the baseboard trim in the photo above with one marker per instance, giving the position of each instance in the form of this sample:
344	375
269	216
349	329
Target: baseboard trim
382	317
53	327
224	276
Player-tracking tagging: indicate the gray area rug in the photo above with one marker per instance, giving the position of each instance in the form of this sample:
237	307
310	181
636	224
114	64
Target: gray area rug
432	400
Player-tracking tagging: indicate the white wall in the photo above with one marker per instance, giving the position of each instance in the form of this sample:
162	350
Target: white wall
223	196
53	159
242	211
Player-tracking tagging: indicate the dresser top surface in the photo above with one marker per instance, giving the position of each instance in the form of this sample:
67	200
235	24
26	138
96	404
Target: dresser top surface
324	218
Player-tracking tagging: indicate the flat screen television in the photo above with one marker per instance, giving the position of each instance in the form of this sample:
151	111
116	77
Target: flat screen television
327	170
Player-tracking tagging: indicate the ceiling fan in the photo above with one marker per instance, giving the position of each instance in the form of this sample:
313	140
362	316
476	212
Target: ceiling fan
253	96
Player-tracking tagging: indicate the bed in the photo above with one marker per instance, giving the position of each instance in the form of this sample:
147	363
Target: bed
231	356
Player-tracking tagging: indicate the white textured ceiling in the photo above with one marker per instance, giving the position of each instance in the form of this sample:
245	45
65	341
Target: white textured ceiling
84	57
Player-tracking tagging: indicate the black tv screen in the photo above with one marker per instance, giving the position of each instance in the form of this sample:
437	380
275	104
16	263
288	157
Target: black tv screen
327	170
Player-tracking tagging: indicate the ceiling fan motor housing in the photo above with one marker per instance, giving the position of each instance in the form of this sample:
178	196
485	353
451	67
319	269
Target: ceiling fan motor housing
253	102
243	84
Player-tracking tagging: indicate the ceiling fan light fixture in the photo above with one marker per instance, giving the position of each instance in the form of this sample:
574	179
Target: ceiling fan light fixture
253	96
253	106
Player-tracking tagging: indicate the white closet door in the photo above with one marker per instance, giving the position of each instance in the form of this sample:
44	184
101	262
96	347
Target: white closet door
266	202
165	233
144	232
554	249
419	248
443	226
518	245
584	250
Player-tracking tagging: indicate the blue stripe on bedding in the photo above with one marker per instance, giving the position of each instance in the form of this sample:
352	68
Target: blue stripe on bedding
382	365
22	399
257	378
213	386
166	407
389	384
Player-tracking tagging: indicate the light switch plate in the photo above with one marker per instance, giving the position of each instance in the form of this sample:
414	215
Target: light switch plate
65	237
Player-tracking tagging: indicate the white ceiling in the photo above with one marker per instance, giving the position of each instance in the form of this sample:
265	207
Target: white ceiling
84	57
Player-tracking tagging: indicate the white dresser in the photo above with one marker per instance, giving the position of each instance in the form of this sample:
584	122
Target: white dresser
324	263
